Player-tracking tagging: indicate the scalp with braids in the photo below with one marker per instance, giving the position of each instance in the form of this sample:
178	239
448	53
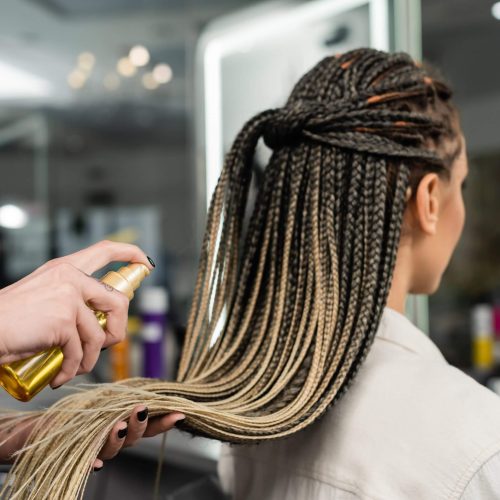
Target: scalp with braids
284	313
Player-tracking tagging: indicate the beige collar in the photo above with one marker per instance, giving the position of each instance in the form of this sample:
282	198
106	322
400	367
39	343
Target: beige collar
398	329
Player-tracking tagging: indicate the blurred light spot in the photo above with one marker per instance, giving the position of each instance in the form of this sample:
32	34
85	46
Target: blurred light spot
495	10
77	79
139	55
13	217
86	61
162	73
125	67
149	82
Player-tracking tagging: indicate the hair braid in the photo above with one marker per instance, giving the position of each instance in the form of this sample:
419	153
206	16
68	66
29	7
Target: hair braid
284	310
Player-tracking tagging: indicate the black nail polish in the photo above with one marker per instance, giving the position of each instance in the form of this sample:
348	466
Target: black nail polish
151	261
56	387
97	469
122	433
142	415
103	349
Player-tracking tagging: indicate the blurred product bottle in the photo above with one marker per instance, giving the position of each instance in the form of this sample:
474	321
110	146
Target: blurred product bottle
496	330
135	345
122	364
154	303
482	338
119	355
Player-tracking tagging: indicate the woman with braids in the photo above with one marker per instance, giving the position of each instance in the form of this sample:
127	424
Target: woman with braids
297	350
366	178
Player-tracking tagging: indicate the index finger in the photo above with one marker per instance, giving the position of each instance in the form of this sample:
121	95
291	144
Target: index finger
100	254
158	425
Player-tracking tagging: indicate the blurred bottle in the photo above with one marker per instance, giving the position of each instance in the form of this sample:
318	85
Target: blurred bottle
482	338
154	303
496	329
120	360
123	364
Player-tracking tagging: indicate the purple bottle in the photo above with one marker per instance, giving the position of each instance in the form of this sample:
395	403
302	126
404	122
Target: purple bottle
154	303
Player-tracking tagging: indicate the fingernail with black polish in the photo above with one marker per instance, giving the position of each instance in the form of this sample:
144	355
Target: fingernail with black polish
122	433
97	469
56	387
103	349
151	261
142	415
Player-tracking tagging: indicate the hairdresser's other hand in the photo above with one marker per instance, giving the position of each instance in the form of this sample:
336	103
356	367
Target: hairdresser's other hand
123	434
50	307
126	434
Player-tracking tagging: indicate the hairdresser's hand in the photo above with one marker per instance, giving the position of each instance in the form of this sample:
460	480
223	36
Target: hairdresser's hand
126	434
50	307
122	435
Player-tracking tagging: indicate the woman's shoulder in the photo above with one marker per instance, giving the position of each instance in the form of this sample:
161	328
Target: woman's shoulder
405	358
420	422
408	415
406	374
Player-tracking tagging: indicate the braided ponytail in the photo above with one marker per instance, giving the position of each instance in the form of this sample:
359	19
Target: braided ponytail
283	314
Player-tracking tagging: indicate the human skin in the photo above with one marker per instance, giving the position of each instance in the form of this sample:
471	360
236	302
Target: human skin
50	307
136	429
432	224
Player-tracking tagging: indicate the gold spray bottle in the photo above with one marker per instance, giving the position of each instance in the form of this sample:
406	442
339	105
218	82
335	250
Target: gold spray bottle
25	378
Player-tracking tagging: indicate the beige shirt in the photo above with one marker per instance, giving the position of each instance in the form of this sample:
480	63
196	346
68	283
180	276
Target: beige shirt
410	427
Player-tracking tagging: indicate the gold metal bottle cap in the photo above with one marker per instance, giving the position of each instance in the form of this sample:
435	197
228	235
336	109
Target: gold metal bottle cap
127	278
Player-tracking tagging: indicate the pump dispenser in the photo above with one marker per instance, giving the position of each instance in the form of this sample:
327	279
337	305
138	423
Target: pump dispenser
25	378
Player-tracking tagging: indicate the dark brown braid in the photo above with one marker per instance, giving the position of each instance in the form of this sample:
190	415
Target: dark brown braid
296	300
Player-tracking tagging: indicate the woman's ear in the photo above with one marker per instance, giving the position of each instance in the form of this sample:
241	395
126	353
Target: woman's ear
427	204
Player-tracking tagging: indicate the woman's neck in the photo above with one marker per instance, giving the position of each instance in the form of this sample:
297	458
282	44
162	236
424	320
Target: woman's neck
397	298
400	286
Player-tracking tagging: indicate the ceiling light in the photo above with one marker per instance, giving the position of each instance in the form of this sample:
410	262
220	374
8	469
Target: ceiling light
139	55
13	217
125	67
17	83
149	81
77	79
162	73
86	61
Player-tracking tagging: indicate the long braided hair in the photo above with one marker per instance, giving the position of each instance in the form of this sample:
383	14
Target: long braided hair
285	310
